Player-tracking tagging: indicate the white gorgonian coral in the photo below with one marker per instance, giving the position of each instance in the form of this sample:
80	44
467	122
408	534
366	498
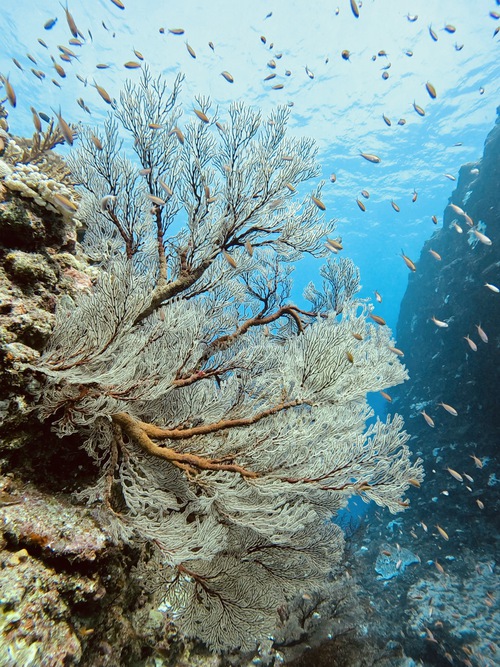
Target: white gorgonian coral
228	424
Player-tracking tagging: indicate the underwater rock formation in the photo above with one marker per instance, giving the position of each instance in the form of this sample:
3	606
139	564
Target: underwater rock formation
444	607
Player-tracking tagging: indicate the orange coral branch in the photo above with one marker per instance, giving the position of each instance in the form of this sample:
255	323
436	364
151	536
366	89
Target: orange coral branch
142	432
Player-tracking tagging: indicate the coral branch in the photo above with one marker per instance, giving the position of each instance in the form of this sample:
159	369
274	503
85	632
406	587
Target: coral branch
137	431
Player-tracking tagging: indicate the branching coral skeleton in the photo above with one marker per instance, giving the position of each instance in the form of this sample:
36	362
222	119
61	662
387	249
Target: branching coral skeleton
226	422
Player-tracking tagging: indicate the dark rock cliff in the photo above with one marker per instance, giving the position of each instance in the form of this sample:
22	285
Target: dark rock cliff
442	607
442	365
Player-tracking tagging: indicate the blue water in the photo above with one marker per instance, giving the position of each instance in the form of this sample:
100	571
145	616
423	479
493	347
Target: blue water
341	107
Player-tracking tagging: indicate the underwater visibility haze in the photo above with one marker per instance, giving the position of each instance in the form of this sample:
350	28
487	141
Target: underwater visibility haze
201	501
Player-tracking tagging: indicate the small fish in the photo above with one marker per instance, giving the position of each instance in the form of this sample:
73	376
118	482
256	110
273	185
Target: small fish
457	209
333	178
211	45
480	504
450	177
17	64
176	31
370	157
439	323
361	205
409	53
418	109
71	21
385	75
431	90
365	194
397	209
378	297
435	254
387	121
102	66
66	130
471	343
408	261
401	121
36	120
41	75
427	418
442	532
433	34
97	143
155	126
230	260
138	55
9	90
450	28
386	553
167	189
414	482
423	526
103	93
65	203
145	172
357	336
412	17
468	478
355	9
271	64
202	116
68	52
309	73
493	288
389	399
449	409
178	134
333	245
156	200
263	39
318	203
396	350
482	333
44	116
48	25
249	247
434	219
346	54
30	57
457	228
270	76
118	3
439	567
229	78
278	86
75	42
481	237
132	64
59	69
190	50
378	319
42	43
349	356
455	474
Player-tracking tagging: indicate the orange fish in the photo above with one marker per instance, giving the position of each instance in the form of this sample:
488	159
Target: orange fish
408	262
